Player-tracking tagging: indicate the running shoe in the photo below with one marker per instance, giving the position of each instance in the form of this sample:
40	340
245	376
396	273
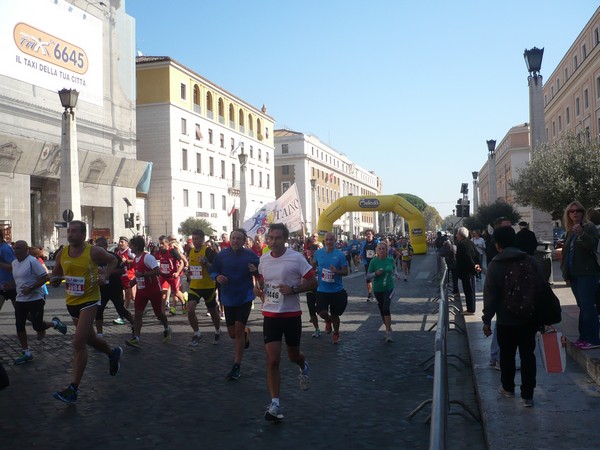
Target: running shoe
316	333
196	338
328	327
234	373
221	316
388	337
527	402
167	334
115	360
23	358
496	366
588	346
119	321
273	412
246	337
217	336
336	338
370	297
504	393
59	325
133	342
173	311
304	377
69	395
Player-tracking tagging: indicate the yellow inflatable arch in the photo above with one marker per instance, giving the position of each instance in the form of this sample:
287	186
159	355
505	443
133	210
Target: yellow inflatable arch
393	203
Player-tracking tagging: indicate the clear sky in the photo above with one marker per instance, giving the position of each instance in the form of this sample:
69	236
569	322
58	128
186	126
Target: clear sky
408	89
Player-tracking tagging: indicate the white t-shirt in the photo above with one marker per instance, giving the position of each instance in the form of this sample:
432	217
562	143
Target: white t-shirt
287	269
479	244
26	273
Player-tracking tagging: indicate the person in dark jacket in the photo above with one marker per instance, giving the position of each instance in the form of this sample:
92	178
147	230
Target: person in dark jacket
580	271
467	266
512	332
525	239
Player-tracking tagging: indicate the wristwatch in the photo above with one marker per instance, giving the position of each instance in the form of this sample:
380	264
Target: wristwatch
295	289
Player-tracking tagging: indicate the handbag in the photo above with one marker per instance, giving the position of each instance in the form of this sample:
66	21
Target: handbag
547	306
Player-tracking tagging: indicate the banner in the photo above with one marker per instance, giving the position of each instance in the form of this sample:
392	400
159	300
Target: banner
286	209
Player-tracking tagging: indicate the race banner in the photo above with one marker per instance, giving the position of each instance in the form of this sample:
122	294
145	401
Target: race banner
286	209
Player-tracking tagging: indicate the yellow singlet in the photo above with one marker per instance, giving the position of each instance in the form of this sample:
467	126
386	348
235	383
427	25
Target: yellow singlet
81	277
200	278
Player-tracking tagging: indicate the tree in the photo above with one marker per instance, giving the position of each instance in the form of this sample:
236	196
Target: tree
417	202
560	173
192	223
432	218
487	214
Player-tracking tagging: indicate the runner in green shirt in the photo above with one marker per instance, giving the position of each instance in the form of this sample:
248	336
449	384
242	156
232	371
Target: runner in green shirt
381	270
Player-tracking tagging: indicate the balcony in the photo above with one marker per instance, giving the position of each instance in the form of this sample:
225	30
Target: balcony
233	187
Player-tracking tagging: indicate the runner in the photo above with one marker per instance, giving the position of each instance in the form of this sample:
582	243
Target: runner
332	298
202	287
406	252
77	263
171	265
367	252
148	290
285	273
7	282
30	277
354	245
124	253
234	268
381	269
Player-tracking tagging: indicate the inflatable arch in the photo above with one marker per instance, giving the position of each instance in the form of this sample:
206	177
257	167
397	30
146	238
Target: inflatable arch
393	203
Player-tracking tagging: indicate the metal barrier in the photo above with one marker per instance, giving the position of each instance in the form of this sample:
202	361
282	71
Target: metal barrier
440	401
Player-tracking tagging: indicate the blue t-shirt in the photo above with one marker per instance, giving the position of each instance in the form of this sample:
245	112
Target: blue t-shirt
328	281
354	245
7	255
234	266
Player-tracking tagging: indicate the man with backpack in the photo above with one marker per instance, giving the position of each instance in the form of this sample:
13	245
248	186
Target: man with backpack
513	281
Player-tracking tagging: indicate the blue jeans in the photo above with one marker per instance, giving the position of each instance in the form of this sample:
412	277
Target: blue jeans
584	289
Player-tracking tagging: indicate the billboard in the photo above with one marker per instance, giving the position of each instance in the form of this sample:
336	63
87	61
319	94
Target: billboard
52	44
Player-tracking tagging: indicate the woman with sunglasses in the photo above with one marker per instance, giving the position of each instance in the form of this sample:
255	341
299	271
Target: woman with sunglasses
581	272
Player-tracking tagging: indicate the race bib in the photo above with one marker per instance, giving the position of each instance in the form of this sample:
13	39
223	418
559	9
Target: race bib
196	272
75	286
164	267
404	252
370	254
141	282
272	294
327	276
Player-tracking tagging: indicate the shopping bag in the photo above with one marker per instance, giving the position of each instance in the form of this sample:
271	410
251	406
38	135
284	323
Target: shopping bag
552	345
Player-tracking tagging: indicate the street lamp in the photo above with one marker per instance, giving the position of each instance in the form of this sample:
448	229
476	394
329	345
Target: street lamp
475	193
243	158
313	212
533	60
70	196
491	145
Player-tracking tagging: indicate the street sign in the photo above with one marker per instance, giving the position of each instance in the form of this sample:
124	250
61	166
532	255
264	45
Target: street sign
67	215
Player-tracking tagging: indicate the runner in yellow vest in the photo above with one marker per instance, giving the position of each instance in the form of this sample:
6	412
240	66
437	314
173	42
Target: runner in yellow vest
77	264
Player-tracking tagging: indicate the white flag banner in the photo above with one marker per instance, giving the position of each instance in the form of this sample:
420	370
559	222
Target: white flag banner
286	209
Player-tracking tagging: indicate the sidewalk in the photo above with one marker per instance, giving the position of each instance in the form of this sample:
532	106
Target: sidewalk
565	414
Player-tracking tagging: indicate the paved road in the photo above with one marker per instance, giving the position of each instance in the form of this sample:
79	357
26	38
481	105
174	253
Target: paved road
172	395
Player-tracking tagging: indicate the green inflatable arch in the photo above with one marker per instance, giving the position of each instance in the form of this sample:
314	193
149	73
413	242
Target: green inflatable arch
393	203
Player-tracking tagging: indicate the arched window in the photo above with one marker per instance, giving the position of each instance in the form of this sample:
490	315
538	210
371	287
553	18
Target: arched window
250	125
221	110
259	130
196	98
209	105
231	116
241	119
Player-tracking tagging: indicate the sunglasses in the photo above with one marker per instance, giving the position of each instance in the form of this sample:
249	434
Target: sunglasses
573	211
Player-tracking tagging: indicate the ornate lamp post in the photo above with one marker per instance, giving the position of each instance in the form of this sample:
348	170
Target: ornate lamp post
313	209
475	192
70	196
243	158
491	144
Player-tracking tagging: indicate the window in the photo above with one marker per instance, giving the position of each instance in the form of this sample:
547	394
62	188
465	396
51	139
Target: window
251	177
586	102
259	155
196	98
268	181
223	203
285	186
232	144
285	170
223	169
251	152
598	87
259	179
198	163
575	64
566	74
553	128
183	126
199	199
198	133
222	140
233	177
568	116
583	52
183	91
210	136
184	159
577	107
186	198
211	166
285	148
596	37
559	124
558	84
267	157
212	201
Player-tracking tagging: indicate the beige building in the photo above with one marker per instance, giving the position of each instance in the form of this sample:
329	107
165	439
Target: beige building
572	92
303	159
193	131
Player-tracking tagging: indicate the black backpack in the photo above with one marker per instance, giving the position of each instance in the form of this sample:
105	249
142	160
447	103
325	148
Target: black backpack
521	288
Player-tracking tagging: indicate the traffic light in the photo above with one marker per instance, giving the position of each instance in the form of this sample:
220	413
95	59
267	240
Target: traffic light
129	220
462	210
